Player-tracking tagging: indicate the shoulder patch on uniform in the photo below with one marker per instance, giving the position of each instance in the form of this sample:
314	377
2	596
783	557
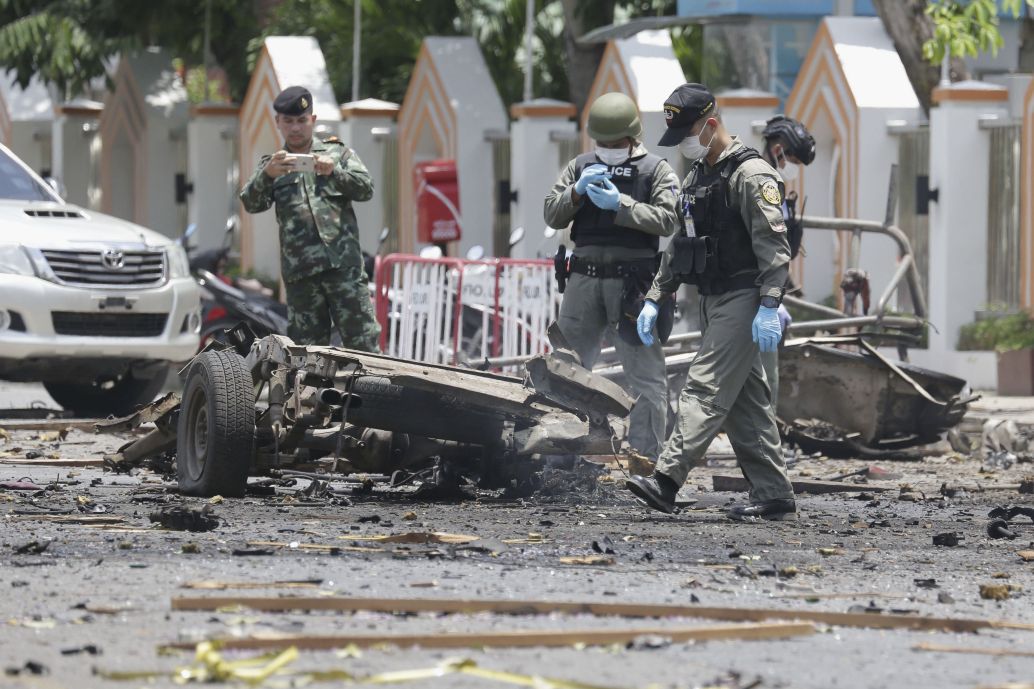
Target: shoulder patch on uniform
770	192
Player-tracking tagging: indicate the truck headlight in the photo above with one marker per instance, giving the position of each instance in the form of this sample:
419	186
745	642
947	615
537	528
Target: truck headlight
14	260
179	266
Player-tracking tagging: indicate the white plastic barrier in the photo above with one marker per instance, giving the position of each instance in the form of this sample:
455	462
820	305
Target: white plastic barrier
455	311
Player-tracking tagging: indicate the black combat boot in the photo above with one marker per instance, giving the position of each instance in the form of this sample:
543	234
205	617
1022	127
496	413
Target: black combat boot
657	491
782	509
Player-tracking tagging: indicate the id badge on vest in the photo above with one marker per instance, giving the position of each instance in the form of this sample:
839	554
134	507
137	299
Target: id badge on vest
686	208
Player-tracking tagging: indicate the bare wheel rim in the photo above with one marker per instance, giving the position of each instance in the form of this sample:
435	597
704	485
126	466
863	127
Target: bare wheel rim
198	442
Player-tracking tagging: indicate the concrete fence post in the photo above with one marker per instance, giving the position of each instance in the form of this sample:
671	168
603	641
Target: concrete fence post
538	133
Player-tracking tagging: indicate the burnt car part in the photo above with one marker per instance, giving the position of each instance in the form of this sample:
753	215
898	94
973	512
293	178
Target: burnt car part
260	405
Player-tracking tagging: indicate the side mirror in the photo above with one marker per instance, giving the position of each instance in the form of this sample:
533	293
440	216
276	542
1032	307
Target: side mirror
56	186
516	236
549	232
475	253
383	236
431	251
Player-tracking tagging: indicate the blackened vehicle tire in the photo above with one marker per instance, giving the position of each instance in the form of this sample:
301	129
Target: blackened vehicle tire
118	398
215	441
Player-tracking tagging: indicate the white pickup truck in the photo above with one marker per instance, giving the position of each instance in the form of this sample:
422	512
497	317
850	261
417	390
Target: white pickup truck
93	307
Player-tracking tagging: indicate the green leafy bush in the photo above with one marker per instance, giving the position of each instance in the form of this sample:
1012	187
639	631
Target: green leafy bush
1003	333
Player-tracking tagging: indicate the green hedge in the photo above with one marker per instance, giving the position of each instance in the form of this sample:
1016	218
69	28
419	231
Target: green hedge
1003	334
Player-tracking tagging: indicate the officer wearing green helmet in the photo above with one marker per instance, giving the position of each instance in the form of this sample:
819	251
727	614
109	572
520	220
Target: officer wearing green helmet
619	200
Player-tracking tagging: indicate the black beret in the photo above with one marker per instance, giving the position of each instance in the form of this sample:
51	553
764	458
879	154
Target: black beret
293	100
686	104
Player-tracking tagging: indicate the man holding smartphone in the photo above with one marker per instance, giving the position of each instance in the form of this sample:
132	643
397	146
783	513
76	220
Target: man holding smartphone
320	258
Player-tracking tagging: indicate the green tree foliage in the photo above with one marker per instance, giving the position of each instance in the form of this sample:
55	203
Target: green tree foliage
967	28
68	43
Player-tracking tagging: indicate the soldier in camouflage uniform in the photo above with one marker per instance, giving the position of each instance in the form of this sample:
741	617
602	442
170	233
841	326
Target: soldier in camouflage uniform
320	259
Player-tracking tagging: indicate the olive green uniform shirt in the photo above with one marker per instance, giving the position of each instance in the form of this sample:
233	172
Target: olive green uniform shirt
749	191
318	227
656	216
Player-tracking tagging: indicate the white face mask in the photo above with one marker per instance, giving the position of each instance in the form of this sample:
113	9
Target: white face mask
693	149
612	156
789	171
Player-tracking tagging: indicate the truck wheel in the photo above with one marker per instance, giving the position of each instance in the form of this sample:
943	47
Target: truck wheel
118	398
216	433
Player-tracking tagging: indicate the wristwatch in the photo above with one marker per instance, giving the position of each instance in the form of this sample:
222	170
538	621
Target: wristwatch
770	302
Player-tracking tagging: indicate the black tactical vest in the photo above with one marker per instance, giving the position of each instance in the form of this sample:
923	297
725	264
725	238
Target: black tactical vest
593	225
708	196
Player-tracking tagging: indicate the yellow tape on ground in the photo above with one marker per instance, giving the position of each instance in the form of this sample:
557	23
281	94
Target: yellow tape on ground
211	668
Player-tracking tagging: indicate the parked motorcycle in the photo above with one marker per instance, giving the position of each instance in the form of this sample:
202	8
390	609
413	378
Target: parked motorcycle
225	302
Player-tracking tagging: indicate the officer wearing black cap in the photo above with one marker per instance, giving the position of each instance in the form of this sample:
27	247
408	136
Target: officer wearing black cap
732	245
787	146
619	200
321	262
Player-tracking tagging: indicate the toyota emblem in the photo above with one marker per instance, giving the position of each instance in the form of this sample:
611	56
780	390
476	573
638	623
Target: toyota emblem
113	259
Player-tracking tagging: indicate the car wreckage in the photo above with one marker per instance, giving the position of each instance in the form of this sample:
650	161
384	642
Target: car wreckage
840	395
250	406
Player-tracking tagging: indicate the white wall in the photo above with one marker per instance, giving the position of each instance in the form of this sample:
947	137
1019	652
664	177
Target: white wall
357	133
212	154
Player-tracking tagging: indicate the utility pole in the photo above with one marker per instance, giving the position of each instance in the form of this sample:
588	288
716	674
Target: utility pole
356	34
529	33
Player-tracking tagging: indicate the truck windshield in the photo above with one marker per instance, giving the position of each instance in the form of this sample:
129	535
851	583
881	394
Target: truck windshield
17	184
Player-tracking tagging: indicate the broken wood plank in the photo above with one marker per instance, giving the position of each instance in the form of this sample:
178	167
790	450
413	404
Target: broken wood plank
84	425
538	607
80	462
937	648
69	518
523	638
295	546
739	484
223	585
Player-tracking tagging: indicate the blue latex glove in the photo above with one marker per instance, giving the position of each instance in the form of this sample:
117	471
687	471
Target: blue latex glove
591	174
644	324
785	319
766	330
606	197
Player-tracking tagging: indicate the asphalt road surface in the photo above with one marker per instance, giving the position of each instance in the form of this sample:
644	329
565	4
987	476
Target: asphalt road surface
84	599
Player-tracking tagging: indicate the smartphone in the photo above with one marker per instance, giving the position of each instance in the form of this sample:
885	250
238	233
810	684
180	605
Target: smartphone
303	162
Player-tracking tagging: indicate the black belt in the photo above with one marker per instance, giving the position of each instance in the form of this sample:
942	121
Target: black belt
617	269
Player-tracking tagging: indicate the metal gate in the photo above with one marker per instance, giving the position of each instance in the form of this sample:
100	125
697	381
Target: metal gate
914	174
1003	216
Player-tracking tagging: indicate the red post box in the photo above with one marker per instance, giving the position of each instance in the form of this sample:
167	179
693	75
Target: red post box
437	201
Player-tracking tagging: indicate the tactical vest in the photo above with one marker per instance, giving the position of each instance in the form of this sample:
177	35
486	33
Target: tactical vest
593	225
723	246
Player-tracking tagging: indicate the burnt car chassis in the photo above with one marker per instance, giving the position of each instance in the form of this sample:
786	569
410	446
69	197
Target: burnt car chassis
370	413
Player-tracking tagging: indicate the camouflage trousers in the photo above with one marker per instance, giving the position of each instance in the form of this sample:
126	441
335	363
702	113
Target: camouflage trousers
334	297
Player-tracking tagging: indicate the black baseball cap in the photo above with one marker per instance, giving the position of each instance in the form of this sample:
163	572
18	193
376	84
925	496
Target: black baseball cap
293	100
686	104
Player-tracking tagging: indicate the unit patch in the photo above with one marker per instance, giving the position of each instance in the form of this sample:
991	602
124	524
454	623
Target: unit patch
770	192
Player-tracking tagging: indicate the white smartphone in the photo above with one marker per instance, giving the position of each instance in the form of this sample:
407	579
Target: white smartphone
303	162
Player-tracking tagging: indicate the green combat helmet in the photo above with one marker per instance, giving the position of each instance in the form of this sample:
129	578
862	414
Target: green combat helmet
614	116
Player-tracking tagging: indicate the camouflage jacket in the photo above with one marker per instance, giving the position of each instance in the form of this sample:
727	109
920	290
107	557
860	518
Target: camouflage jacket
318	227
